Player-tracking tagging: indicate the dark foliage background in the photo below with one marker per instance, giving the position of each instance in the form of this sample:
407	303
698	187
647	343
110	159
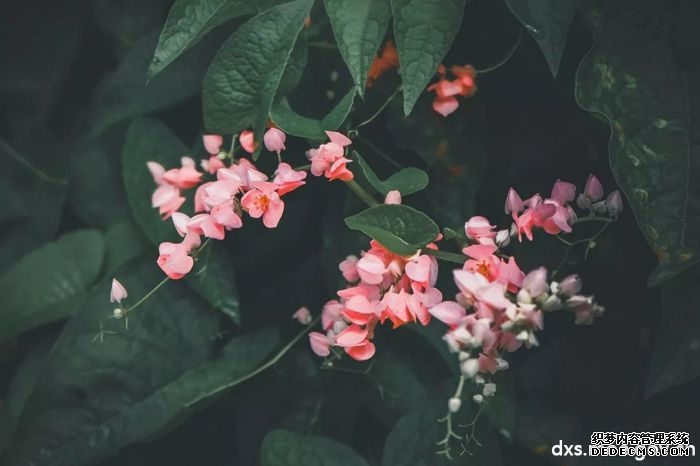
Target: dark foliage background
66	111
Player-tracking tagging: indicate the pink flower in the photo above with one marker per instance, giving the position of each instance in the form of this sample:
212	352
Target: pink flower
274	139
563	192
320	344
348	268
393	198
206	225
514	204
185	177
371	269
449	312
359	310
614	203
212	165
212	143
174	258
157	171
247	140
118	292
445	106
535	282
593	189
478	227
571	286
361	352
263	201
167	199
328	159
303	316
287	179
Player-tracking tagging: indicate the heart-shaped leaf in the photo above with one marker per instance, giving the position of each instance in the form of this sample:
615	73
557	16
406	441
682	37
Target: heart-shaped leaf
49	283
285	448
400	228
292	123
407	181
359	27
244	77
424	31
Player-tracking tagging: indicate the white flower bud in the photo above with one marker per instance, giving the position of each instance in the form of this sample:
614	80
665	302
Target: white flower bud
463	356
454	404
552	303
478	399
339	326
479	379
489	389
470	367
503	238
223	155
524	296
501	364
118	313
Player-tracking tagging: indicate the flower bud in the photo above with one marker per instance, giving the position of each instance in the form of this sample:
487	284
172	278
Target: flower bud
570	286
212	143
583	202
118	313
536	282
503	238
552	303
274	139
489	389
513	202
593	189
463	356
470	368
339	326
614	202
524	297
600	207
453	404
478	399
393	197
563	192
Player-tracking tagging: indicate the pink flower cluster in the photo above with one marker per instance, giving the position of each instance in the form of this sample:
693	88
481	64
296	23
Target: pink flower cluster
238	188
382	286
447	90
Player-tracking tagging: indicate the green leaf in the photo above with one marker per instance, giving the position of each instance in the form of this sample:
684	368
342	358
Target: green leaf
124	242
149	139
125	93
285	448
105	386
548	23
407	181
127	21
412	441
297	125
652	106
296	65
400	228
359	27
190	20
675	358
244	77
44	285
424	31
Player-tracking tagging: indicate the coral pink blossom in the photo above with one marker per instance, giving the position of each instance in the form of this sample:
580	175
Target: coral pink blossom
287	179
274	139
212	143
329	159
167	200
118	292
448	312
247	140
393	198
348	268
361	352
320	344
212	165
593	189
303	316
563	192
445	106
174	258
263	201
479	227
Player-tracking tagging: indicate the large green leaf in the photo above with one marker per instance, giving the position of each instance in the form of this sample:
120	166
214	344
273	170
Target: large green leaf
424	31
548	23
285	448
359	27
413	440
630	77
105	386
407	180
149	139
126	93
47	284
190	20
400	228
676	353
298	125
243	79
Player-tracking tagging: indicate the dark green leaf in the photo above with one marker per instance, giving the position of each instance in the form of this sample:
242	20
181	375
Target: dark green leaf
407	181
124	242
128	20
340	112
424	31
105	386
400	228
651	104
297	125
190	20
244	77
285	448
44	285
125	93
149	139
676	354
413	440
548	23
296	65
359	27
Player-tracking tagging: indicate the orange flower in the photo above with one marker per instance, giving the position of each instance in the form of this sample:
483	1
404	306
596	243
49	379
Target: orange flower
447	90
383	62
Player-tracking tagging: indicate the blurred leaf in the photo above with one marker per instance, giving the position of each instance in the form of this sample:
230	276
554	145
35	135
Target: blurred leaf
400	228
501	409
424	31
190	20
675	358
285	448
47	284
105	386
149	139
548	23
125	92
124	242
128	20
407	181
359	27
243	78
413	440
296	65
297	125
401	389
652	107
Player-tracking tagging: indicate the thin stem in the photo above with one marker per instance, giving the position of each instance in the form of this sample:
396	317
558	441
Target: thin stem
379	152
361	193
446	256
260	369
506	58
302	168
29	166
148	295
322	45
231	152
380	110
593	219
